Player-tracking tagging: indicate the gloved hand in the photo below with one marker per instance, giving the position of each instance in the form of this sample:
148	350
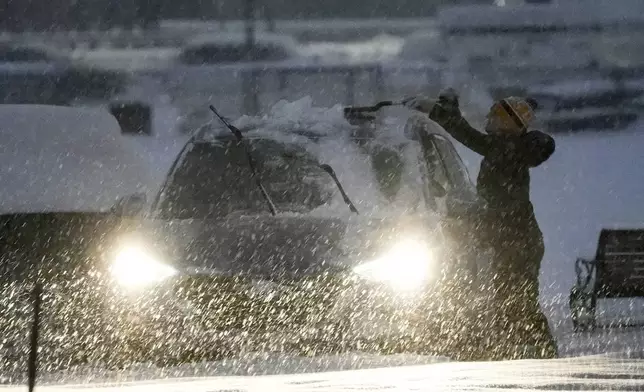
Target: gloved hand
419	103
448	99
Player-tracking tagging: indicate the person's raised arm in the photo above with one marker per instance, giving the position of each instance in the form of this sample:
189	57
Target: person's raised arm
446	113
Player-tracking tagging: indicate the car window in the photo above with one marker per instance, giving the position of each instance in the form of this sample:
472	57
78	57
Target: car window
436	169
454	168
437	179
425	175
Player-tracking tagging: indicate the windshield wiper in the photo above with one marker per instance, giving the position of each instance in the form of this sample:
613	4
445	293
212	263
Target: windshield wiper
238	135
329	170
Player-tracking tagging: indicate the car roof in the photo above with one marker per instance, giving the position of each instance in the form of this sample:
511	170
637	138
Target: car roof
63	159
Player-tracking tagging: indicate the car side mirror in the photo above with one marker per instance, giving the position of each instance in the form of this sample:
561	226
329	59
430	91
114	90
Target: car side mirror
130	205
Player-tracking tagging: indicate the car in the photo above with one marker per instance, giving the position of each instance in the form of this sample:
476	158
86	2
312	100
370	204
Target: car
231	48
34	74
288	259
216	265
69	181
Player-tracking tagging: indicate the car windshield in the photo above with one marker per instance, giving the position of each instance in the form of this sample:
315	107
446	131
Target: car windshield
214	179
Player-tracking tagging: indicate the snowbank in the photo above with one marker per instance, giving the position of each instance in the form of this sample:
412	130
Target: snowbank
64	159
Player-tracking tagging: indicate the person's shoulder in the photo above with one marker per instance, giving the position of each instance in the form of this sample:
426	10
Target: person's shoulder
540	138
541	146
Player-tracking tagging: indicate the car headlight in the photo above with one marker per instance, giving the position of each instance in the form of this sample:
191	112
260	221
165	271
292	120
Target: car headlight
133	267
406	267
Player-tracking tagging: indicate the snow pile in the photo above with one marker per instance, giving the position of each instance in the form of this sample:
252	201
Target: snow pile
64	159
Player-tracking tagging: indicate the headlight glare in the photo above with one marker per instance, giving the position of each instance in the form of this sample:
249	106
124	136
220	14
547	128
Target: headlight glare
406	267
134	267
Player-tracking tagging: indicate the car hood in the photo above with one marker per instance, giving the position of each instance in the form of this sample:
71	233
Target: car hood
281	246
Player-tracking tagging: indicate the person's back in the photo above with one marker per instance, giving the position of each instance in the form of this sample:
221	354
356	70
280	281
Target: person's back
504	178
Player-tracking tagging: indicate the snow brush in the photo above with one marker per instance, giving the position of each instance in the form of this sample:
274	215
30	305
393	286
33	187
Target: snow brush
251	162
352	110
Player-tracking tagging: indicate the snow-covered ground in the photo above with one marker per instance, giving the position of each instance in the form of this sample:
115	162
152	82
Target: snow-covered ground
591	373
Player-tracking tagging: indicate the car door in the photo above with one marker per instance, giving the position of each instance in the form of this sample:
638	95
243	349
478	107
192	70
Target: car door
463	207
454	195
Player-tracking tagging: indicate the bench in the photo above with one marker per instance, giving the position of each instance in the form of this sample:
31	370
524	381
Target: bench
616	272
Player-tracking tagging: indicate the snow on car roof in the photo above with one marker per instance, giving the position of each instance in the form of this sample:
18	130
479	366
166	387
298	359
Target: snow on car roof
300	118
299	114
61	159
300	121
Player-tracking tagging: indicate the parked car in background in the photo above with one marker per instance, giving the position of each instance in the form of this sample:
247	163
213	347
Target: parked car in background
69	181
35	74
230	48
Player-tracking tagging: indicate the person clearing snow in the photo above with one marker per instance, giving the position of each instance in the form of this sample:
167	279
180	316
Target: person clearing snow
508	225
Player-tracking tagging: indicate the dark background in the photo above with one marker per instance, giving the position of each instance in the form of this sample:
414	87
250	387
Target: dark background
20	15
39	15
